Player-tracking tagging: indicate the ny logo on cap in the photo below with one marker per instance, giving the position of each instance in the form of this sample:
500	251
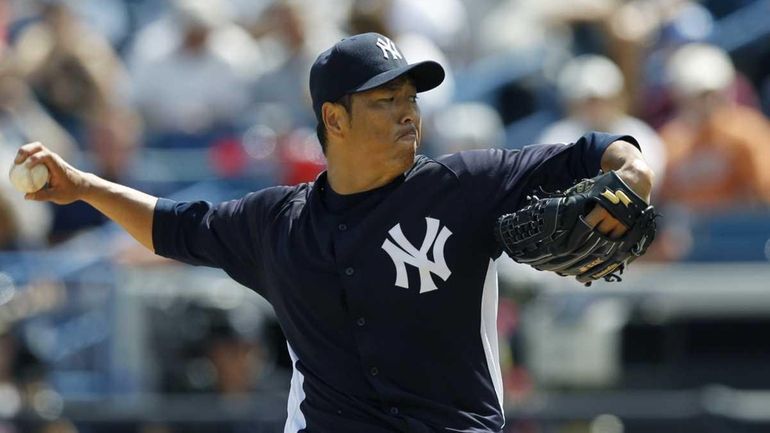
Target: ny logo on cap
387	46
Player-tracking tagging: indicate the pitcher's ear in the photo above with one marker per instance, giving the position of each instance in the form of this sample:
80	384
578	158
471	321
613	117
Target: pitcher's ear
335	118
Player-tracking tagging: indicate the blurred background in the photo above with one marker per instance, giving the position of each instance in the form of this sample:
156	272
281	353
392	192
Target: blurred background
208	99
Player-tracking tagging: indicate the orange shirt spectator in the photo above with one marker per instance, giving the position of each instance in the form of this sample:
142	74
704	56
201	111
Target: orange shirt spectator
718	161
718	152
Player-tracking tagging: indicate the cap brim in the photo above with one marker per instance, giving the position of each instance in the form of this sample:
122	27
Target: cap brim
426	75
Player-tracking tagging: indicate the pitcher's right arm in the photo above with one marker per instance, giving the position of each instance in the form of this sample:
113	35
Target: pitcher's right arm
131	209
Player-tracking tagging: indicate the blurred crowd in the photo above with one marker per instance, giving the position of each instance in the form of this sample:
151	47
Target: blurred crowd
164	94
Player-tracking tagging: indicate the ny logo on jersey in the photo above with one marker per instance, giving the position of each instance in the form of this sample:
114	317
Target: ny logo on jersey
387	46
405	253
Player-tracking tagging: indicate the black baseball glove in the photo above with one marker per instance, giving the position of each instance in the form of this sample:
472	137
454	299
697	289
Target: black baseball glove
550	233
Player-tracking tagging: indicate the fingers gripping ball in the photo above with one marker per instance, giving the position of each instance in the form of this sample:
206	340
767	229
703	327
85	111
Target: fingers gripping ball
27	179
550	234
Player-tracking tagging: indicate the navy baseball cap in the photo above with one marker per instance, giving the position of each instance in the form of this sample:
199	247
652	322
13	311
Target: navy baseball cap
363	62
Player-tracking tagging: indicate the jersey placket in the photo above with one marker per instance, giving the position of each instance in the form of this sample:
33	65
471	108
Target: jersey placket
355	285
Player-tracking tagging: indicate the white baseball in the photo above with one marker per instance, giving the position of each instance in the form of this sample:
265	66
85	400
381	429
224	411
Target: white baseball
28	180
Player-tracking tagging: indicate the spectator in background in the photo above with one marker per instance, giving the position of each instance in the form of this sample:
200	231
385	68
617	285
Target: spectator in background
22	119
226	351
80	79
112	147
519	26
443	22
294	40
111	18
417	43
72	69
237	361
188	85
718	151
550	28
645	33
591	87
161	36
464	126
294	33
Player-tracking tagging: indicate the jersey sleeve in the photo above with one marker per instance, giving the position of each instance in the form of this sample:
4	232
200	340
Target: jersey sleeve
226	235
497	181
505	177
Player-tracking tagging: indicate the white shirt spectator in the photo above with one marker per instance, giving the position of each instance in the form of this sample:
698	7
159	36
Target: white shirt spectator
591	87
444	22
568	130
190	90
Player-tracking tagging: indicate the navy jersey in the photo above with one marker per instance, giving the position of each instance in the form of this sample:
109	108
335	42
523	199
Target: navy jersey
388	298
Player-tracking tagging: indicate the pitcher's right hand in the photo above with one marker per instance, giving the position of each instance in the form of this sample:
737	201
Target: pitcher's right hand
66	184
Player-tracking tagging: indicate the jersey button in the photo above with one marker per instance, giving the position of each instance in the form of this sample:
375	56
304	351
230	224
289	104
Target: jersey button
342	227
350	271
361	321
394	411
374	371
